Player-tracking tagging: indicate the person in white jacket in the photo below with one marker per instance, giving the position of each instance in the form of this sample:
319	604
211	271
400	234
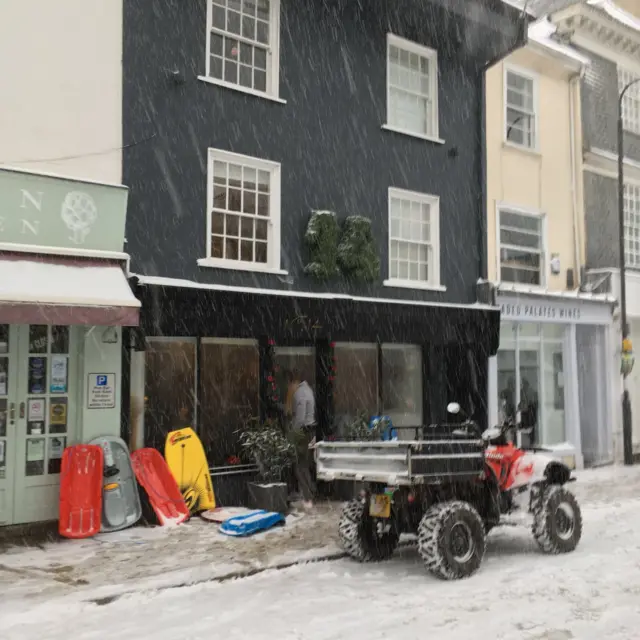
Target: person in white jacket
303	428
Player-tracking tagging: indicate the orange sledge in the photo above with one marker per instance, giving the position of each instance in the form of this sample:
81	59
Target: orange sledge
154	475
81	491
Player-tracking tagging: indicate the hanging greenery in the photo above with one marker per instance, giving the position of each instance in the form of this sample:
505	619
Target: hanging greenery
357	253
321	238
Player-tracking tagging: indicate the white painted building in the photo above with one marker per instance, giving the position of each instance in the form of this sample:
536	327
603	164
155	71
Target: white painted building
61	95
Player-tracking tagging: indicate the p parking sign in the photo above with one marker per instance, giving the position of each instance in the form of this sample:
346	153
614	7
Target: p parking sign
101	391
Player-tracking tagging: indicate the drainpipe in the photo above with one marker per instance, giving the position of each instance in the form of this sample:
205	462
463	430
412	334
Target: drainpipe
573	83
520	41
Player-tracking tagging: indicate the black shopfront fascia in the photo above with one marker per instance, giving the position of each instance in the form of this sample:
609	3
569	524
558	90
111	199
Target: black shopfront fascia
454	339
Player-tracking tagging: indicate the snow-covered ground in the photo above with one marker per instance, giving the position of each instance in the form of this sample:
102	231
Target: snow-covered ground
518	593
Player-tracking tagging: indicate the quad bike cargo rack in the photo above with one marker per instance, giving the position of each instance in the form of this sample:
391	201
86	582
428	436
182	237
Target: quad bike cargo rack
442	455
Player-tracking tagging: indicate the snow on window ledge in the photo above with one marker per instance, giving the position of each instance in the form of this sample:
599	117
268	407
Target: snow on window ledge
413	134
241	89
532	151
413	284
236	265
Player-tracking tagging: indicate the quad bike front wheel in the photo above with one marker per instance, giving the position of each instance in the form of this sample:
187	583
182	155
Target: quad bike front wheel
557	520
451	540
364	538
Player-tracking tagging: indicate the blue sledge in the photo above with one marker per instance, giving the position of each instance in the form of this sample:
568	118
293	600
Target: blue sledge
250	523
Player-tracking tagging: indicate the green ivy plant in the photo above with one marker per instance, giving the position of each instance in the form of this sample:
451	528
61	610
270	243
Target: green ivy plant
321	238
357	253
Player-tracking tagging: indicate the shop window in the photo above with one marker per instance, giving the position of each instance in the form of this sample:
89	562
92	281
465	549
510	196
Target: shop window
170	383
531	379
355	390
402	391
229	394
289	358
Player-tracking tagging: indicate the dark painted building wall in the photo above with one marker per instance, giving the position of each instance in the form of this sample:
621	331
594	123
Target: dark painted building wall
327	137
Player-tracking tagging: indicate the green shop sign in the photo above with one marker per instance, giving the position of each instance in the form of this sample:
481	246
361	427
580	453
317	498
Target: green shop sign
58	212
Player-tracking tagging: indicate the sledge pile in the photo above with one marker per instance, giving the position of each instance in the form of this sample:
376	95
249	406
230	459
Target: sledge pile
100	488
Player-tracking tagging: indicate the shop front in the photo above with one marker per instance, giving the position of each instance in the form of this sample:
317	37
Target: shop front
64	299
553	371
215	357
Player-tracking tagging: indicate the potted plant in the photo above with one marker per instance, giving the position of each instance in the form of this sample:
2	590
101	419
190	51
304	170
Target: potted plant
273	454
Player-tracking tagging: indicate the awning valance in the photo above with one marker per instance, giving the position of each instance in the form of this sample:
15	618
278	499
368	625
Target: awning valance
66	291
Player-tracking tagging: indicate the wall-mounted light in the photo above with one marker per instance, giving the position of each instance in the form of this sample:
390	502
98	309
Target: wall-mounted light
554	264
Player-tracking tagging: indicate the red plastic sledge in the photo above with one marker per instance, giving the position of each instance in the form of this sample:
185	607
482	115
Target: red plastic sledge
154	475
81	491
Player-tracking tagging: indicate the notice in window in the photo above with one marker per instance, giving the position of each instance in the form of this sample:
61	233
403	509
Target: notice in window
58	382
37	375
101	391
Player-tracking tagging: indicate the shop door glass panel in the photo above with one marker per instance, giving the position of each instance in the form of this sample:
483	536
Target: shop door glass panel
507	380
529	390
44	416
8	381
553	412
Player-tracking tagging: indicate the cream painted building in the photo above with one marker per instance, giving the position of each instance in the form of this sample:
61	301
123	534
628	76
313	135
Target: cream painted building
64	295
535	251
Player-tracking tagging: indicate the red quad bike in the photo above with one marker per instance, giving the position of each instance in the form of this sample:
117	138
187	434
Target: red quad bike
531	483
448	484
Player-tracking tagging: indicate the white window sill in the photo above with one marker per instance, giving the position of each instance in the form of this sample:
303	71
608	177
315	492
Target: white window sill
421	136
513	287
235	87
532	151
413	284
236	265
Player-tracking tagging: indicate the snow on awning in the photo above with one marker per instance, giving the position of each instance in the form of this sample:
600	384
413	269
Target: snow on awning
66	291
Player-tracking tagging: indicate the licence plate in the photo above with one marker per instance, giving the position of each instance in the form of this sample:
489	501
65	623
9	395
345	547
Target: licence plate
380	506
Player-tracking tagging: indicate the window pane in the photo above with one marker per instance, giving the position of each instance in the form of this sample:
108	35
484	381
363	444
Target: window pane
248	193
402	384
169	388
530	391
229	373
506	383
288	358
355	389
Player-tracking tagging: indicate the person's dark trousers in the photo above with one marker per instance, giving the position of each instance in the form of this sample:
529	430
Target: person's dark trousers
301	439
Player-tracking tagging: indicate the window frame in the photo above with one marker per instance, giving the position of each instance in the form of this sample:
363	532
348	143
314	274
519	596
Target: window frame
625	75
434	283
273	227
628	185
529	75
544	250
273	56
432	55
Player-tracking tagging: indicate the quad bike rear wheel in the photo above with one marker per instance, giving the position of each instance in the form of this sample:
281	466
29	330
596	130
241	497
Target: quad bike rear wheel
364	538
557	520
451	540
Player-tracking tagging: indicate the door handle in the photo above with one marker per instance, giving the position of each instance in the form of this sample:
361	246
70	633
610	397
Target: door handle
12	412
22	407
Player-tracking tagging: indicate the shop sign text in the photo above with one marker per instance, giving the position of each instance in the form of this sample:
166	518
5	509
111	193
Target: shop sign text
536	311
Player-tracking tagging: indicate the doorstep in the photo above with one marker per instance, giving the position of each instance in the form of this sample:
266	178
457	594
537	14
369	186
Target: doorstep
34	534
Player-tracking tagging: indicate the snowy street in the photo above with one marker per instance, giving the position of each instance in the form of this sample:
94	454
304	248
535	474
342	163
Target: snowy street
517	594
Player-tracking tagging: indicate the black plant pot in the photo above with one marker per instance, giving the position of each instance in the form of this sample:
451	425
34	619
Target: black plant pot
270	496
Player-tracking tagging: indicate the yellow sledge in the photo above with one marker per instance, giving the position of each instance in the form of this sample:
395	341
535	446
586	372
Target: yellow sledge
188	464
